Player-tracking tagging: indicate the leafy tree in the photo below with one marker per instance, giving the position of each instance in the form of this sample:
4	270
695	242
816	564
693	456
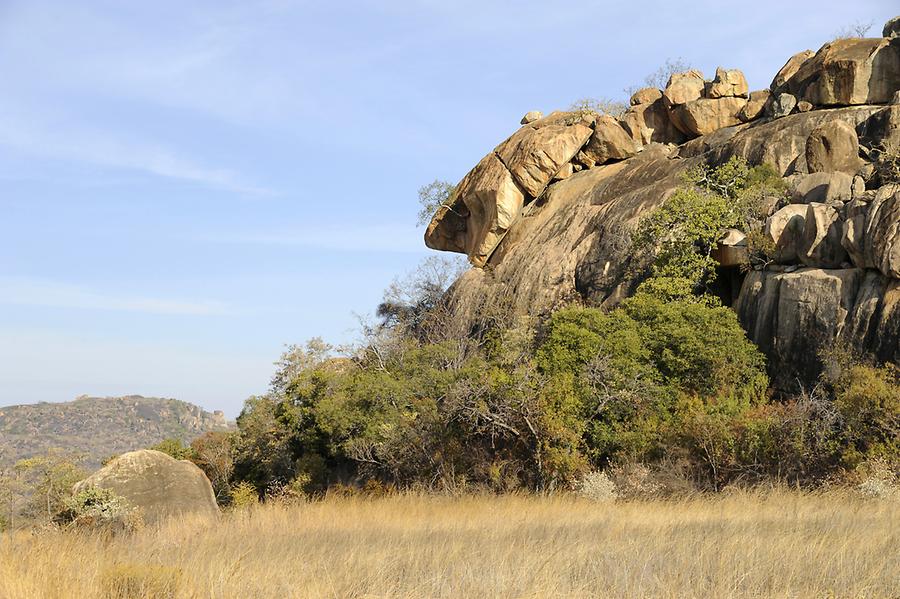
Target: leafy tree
50	477
175	448
213	452
682	233
431	197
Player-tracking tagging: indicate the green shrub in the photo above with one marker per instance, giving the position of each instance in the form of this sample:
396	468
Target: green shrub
868	401
96	507
175	448
244	495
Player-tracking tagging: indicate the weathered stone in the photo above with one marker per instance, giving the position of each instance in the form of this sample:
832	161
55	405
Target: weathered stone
755	106
731	249
833	146
882	232
157	484
785	230
491	201
645	95
608	142
703	116
849	71
565	172
537	151
684	87
791	315
650	123
822	233
804	106
783	105
729	83
790	68
891	28
823	188
853	229
531	116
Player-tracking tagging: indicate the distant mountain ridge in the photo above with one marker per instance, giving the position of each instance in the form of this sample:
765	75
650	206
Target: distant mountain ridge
99	427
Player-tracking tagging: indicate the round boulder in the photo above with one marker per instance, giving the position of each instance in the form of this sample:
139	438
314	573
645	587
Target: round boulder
833	147
157	484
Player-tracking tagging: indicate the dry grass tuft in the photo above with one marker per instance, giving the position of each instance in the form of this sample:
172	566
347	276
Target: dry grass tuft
741	544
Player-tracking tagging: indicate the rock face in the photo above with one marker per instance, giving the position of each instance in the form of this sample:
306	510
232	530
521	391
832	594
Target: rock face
848	71
789	315
549	212
157	484
834	146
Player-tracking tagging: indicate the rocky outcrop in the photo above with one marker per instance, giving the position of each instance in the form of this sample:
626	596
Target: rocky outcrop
584	181
157	484
846	72
790	315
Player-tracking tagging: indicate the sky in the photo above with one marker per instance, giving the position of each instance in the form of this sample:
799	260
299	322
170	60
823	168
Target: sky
187	187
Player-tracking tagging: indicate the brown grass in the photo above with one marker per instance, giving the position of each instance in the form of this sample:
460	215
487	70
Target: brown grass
775	544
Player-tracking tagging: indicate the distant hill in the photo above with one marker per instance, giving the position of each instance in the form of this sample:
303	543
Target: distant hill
99	427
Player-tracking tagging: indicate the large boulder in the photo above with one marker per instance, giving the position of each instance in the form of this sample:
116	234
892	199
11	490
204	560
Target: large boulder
157	484
684	87
782	105
849	71
882	232
706	115
490	197
608	142
729	83
790	68
649	122
833	146
822	188
785	230
487	202
822	232
537	151
755	106
645	95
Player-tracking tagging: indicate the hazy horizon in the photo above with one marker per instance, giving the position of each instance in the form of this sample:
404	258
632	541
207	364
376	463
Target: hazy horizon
187	189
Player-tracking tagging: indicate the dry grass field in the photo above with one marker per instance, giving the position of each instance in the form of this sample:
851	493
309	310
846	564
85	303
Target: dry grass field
775	544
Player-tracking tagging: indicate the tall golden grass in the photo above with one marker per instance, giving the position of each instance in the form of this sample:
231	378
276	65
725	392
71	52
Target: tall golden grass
743	544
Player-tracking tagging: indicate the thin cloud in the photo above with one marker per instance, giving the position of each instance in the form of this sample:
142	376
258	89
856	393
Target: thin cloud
94	147
52	294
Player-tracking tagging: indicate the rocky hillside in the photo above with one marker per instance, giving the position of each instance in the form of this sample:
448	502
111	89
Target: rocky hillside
545	216
100	427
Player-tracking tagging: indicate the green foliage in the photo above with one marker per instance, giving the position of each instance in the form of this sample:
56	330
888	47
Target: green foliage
868	401
175	448
244	495
644	372
682	233
431	197
98	508
50	478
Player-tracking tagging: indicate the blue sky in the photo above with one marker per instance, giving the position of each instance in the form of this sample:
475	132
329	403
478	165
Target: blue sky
186	187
